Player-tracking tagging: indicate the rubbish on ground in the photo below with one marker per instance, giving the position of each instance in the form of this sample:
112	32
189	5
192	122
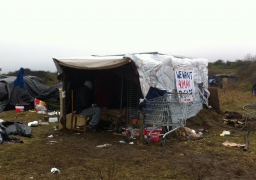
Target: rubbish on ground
53	119
55	170
33	124
120	134
41	112
44	123
234	118
53	113
123	141
200	134
157	131
104	145
225	133
232	144
50	136
19	109
131	142
52	142
154	138
184	133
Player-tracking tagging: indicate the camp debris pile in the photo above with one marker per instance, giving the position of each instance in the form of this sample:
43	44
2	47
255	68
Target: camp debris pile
233	118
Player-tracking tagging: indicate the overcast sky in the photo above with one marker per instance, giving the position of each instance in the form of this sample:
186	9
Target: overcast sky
32	32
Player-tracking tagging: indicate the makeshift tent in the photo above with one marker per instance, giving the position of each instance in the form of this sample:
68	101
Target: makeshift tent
123	81
34	89
222	80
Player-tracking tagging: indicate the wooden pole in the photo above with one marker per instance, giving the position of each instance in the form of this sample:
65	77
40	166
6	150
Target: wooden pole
63	119
246	140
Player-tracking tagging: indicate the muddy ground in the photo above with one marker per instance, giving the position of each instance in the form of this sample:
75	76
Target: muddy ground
77	156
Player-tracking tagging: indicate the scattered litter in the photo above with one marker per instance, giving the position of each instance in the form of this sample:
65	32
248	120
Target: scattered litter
132	131
225	133
44	123
200	134
50	136
104	145
131	142
232	144
31	177
33	124
123	141
52	113
41	112
120	134
55	170
53	119
52	142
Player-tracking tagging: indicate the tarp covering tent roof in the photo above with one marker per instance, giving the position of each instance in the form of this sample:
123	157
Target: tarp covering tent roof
153	70
34	89
91	62
17	94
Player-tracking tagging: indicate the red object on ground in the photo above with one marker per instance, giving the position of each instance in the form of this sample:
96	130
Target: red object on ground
154	135
37	101
154	138
19	109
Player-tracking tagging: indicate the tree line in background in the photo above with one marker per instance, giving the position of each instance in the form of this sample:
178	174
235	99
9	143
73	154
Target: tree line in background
48	78
245	69
221	64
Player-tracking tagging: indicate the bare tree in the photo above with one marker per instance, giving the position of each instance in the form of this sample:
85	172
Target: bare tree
250	57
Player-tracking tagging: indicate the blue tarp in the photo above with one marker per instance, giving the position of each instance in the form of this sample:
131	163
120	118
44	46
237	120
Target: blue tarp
19	81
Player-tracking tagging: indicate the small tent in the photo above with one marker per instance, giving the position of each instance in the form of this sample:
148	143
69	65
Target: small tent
10	95
123	81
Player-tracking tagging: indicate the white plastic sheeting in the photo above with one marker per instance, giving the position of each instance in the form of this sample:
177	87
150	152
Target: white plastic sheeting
159	71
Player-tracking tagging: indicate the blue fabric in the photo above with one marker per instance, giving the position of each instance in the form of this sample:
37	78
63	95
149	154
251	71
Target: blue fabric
152	93
254	92
19	81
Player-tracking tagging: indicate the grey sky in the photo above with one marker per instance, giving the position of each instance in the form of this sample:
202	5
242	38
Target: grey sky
34	31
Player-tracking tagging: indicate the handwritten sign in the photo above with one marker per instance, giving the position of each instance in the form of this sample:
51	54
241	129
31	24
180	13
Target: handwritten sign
185	84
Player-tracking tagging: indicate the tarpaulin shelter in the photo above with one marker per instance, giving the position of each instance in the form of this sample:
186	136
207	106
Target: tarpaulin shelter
10	96
221	80
123	81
